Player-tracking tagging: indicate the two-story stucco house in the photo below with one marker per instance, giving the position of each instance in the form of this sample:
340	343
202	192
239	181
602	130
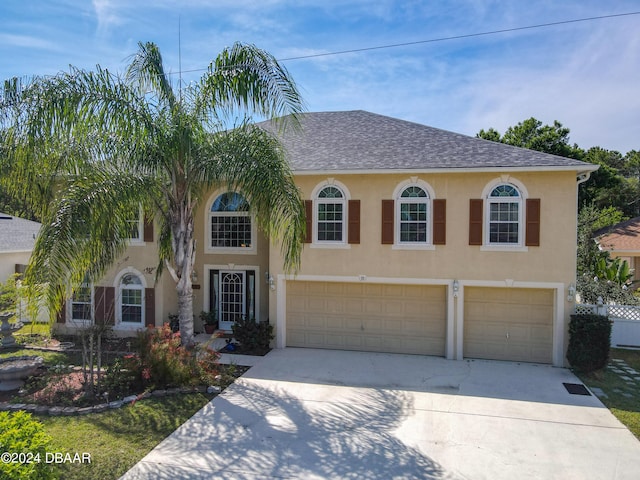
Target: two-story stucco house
418	241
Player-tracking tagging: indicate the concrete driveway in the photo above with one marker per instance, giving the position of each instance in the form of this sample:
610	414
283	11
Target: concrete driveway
317	414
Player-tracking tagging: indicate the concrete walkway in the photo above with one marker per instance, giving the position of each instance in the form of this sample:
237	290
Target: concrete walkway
319	414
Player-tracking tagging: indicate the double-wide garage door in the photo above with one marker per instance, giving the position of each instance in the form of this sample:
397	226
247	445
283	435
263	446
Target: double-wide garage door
368	317
508	324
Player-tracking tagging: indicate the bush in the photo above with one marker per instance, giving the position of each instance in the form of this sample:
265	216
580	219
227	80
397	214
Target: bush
162	361
252	335
589	342
22	435
118	381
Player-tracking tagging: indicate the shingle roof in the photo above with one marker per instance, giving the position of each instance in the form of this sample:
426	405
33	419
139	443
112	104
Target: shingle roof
623	236
17	234
361	141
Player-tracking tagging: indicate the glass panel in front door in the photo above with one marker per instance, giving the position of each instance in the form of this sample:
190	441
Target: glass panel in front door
232	299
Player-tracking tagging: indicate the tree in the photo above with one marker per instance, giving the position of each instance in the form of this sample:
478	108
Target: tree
598	274
532	134
606	186
106	144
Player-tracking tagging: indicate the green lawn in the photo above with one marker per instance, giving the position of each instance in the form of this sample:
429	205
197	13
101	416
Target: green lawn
118	439
50	358
623	397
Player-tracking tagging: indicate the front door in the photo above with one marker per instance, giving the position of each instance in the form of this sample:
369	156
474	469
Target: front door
232	294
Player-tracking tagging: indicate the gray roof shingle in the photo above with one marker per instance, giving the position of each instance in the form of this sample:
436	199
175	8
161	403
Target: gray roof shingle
17	234
363	141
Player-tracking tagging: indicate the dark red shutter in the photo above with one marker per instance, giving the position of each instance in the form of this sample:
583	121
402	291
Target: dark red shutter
105	305
532	235
308	210
354	221
150	306
147	234
387	222
475	221
439	222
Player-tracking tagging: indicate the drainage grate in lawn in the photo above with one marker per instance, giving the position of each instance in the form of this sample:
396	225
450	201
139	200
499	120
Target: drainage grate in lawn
576	389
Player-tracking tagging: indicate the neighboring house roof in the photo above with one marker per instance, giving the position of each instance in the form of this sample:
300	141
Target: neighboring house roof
17	234
356	141
622	237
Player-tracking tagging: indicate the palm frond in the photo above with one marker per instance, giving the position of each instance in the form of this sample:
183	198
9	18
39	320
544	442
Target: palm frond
146	71
247	78
87	230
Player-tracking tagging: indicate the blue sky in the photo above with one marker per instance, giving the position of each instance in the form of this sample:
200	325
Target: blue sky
586	75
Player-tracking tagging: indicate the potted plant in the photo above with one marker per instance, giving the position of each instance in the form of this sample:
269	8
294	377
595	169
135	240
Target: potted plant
209	320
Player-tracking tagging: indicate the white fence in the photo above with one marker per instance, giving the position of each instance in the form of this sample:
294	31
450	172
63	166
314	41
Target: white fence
625	331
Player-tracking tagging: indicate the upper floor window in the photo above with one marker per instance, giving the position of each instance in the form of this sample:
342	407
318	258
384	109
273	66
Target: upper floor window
136	226
412	215
230	222
504	214
331	210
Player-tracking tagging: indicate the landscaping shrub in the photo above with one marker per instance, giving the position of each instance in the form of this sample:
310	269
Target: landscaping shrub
119	381
253	335
24	437
162	361
589	341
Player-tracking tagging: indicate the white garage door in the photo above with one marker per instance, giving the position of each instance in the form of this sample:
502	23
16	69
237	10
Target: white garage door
508	324
367	317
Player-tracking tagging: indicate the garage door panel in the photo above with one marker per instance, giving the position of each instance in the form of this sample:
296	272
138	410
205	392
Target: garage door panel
509	324
373	317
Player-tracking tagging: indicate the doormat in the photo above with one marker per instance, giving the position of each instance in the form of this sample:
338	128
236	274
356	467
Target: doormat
576	389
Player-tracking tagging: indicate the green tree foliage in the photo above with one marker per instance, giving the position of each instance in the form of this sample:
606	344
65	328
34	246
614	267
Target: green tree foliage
599	275
90	147
532	134
607	187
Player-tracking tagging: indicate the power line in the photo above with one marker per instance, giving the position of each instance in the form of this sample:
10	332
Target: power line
444	39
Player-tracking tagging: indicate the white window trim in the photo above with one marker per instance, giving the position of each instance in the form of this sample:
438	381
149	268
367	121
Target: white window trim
401	187
524	194
69	320
330	182
252	250
119	324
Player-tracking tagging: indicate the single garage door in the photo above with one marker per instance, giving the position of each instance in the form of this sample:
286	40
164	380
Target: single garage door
508	324
367	317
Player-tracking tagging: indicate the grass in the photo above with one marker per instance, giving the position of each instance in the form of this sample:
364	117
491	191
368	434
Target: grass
118	439
35	328
623	398
50	358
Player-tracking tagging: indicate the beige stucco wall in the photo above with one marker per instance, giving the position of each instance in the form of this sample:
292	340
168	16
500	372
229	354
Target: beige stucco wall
8	261
553	261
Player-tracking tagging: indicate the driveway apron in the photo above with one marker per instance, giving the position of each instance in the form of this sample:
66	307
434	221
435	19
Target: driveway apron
320	414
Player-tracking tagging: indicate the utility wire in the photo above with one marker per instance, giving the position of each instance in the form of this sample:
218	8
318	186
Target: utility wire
433	40
444	39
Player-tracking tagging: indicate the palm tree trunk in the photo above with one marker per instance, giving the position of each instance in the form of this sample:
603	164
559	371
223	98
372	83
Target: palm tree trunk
183	245
184	290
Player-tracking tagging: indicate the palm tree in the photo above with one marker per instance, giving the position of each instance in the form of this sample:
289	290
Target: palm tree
89	148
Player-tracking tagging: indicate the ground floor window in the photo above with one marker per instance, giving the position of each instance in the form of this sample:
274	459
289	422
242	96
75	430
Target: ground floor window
131	295
81	304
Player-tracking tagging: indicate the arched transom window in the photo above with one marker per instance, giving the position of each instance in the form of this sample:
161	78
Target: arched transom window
331	208
505	215
230	222
413	212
